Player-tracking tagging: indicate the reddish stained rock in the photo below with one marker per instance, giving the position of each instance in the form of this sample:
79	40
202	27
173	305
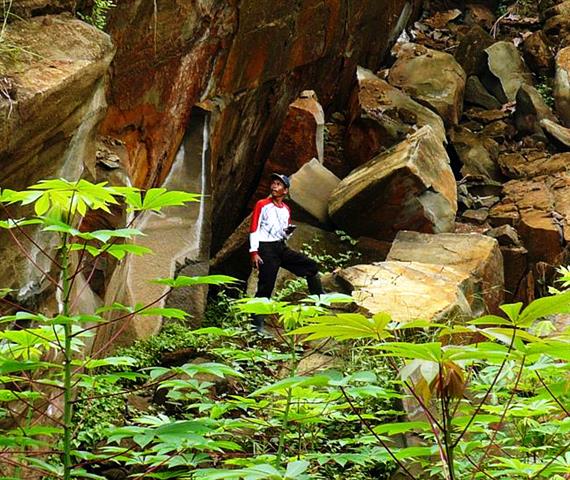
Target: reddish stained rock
380	116
248	70
300	140
538	54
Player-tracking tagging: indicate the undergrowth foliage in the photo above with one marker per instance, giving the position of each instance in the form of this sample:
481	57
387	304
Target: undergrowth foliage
335	395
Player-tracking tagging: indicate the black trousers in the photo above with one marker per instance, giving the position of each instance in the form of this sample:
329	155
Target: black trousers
278	254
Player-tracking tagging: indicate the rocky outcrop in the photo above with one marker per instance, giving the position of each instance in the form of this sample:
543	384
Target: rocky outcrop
381	116
51	101
410	186
245	62
532	163
477	255
431	77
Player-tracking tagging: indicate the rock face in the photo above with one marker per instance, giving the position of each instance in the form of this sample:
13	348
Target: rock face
245	62
49	116
539	209
562	85
381	116
433	78
300	139
410	290
506	71
477	255
533	163
410	186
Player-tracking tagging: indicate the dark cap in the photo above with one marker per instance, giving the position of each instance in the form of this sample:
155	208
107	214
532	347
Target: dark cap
282	178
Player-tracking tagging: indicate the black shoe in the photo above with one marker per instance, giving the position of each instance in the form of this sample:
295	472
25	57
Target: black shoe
315	285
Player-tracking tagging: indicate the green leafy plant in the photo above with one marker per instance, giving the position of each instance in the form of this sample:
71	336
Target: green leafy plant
99	12
328	262
43	365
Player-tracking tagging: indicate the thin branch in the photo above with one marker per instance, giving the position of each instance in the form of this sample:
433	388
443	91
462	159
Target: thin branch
376	436
552	394
488	392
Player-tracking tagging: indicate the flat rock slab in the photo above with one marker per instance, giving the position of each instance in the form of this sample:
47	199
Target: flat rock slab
476	255
381	116
557	132
409	187
539	208
433	78
410	290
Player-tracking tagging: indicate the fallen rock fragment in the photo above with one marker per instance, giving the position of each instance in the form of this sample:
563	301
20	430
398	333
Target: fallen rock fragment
505	235
477	94
300	139
505	71
410	186
530	110
557	132
381	116
433	78
470	52
478	154
539	209
537	53
528	164
311	187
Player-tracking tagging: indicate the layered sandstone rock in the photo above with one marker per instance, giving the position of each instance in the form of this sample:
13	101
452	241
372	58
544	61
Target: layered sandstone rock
539	209
381	116
528	164
410	186
477	255
52	101
410	290
433	78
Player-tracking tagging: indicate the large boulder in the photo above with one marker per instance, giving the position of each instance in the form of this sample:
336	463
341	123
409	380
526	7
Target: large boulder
562	85
411	186
381	116
477	255
311	188
410	290
431	77
300	139
477	153
505	71
51	102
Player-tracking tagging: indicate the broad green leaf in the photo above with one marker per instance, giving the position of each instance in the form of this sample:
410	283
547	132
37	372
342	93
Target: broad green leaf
543	307
402	427
183	281
292	382
295	469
